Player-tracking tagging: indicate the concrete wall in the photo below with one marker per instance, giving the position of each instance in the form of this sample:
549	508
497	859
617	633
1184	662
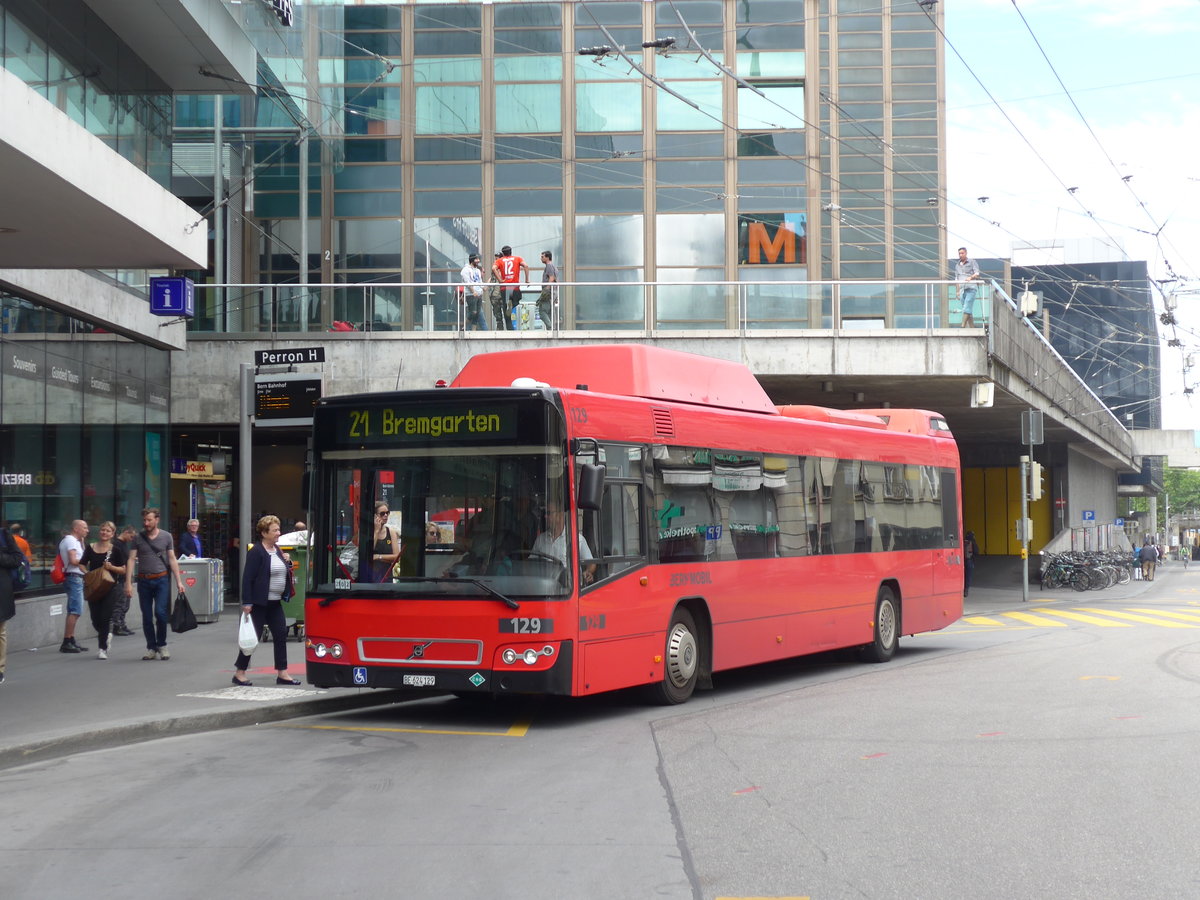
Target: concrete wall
39	623
1090	486
204	381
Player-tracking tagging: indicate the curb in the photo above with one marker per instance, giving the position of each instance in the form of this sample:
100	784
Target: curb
155	729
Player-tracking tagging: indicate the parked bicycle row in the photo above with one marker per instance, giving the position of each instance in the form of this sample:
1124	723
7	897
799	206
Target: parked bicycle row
1085	570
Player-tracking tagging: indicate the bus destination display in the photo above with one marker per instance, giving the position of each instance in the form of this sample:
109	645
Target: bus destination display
425	423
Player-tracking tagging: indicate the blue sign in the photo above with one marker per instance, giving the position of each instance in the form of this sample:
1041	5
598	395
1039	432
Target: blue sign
1089	515
173	297
1120	523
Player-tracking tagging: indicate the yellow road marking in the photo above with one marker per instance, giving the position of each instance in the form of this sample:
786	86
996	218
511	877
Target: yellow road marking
1163	612
1147	620
1035	620
981	620
1079	617
517	729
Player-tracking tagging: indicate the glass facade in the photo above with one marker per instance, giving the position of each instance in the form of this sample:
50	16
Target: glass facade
468	126
83	426
62	50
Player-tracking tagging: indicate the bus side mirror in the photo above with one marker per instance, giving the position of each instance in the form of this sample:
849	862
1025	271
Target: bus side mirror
591	486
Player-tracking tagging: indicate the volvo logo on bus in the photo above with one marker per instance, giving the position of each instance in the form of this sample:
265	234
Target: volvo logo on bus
418	650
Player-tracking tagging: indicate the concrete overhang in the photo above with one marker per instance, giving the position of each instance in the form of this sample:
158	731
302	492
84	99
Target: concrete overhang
100	300
68	201
178	38
1181	448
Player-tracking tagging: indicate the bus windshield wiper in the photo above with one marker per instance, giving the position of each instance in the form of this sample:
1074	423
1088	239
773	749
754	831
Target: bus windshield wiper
487	588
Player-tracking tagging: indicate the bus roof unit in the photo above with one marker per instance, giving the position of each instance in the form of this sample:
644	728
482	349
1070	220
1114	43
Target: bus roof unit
628	370
835	416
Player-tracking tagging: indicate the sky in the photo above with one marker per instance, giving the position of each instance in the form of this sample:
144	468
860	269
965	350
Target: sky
1015	137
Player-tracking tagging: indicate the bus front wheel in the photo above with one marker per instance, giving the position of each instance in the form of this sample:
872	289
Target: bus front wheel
682	660
887	628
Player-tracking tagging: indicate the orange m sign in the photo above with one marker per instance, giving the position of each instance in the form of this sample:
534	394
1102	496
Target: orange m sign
773	239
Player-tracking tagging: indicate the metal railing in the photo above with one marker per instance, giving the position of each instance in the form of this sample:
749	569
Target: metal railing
634	306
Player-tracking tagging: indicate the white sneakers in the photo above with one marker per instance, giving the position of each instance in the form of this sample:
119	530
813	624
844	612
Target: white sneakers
103	654
164	653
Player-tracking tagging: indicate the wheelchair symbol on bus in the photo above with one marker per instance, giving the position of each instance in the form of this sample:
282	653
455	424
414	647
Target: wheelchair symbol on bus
360	674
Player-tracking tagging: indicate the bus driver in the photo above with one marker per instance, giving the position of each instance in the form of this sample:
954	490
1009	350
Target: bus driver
553	542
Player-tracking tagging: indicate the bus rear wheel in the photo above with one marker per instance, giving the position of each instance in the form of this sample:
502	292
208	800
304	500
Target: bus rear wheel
681	668
887	628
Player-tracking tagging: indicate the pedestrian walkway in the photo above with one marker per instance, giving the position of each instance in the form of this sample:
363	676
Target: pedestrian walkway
53	704
999	589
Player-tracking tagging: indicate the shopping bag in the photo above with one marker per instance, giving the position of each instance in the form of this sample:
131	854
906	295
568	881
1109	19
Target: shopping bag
182	617
58	575
247	635
96	584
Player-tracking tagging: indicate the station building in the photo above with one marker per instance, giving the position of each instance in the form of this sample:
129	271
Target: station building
757	180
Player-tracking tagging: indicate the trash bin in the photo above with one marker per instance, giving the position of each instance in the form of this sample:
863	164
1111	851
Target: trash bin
204	583
293	608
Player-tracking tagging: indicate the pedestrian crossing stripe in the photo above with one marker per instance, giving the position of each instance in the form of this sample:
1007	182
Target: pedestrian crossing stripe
1036	620
1042	617
1134	617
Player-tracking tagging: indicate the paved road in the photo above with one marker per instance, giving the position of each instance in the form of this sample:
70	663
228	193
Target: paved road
1002	757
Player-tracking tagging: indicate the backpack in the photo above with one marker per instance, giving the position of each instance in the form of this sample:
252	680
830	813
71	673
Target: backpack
15	561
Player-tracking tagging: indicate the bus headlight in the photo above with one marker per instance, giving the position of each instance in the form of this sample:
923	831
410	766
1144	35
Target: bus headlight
321	649
509	656
530	657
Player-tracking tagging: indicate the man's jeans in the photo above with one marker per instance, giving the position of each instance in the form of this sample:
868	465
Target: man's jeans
74	586
968	300
154	596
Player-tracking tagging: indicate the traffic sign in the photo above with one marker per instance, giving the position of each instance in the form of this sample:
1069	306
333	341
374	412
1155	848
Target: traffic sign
1089	515
1120	523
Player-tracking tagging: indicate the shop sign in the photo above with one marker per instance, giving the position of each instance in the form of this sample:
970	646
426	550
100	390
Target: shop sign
766	239
193	469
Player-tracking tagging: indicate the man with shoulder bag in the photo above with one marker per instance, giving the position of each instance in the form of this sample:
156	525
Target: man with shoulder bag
152	553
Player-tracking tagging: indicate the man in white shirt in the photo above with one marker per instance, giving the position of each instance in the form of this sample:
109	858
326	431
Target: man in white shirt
71	551
966	273
553	542
472	277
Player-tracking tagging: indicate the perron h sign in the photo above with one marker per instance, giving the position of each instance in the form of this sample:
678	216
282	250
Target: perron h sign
173	297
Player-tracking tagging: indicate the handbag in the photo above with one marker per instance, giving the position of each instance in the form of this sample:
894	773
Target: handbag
182	617
58	575
247	635
97	583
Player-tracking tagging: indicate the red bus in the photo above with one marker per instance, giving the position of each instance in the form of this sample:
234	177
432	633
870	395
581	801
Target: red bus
637	516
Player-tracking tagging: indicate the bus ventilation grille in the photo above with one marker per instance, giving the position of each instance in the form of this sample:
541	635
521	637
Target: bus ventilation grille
664	425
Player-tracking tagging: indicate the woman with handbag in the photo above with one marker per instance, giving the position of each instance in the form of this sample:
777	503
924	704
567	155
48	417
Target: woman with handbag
266	583
104	582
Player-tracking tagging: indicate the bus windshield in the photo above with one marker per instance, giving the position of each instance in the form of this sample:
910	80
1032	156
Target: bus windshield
432	516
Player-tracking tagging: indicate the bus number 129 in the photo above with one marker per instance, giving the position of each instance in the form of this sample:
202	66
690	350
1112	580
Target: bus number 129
523	625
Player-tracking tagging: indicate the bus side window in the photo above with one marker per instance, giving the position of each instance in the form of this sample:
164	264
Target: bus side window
614	531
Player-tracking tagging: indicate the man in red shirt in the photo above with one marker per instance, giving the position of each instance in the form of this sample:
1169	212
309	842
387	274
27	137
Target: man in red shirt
508	269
